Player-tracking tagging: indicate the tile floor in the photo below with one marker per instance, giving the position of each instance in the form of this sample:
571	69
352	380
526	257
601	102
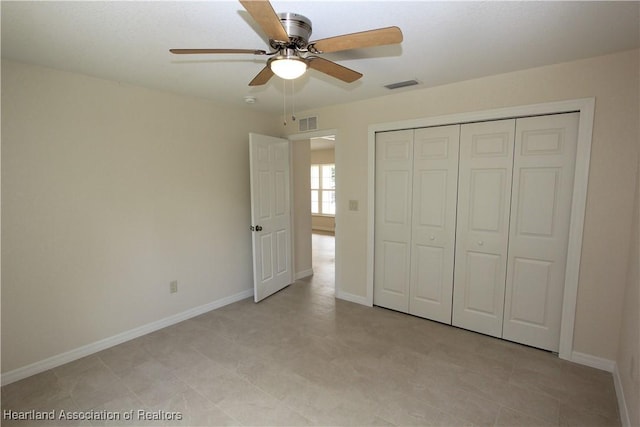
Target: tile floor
301	357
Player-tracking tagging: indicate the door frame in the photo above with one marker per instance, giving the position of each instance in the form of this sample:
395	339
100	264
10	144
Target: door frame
586	108
337	149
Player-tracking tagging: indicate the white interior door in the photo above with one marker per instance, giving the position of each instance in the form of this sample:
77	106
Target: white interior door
270	214
484	202
394	153
543	172
435	189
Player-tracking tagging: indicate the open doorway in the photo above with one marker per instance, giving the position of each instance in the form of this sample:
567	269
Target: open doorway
323	209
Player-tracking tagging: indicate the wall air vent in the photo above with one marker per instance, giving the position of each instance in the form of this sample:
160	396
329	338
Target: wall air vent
401	84
308	124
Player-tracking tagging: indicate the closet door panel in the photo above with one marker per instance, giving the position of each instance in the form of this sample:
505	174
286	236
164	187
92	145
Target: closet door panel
484	202
393	208
545	150
435	180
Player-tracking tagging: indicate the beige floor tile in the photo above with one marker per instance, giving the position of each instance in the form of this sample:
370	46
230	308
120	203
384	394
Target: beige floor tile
463	404
324	406
201	373
551	385
90	382
124	356
511	418
582	417
274	379
153	382
80	366
39	389
124	409
472	361
262	413
192	409
224	351
59	413
301	357
410	410
598	402
515	397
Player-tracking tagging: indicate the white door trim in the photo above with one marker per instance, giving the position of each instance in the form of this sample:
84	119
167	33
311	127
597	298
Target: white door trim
586	108
338	163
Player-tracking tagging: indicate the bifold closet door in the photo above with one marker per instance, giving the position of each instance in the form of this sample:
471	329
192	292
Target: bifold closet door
543	175
472	224
433	231
415	211
393	197
484	202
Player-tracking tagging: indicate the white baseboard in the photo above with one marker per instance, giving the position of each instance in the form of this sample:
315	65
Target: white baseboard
593	361
352	298
86	350
622	402
303	274
609	366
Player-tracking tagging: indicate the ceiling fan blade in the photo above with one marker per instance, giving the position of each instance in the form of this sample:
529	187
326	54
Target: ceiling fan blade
262	77
262	12
197	51
334	70
379	37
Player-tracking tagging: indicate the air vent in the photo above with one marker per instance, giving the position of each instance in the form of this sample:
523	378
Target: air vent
308	124
401	84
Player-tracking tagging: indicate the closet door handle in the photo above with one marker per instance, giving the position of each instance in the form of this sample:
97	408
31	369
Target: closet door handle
432	238
480	243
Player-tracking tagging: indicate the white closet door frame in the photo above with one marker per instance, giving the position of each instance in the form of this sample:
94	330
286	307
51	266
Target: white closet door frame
586	108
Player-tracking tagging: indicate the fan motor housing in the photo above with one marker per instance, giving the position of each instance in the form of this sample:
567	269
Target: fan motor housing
298	28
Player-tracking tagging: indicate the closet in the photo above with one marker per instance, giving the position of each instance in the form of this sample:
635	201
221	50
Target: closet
472	224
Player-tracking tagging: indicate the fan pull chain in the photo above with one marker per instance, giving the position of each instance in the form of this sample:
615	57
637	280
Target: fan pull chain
293	100
284	104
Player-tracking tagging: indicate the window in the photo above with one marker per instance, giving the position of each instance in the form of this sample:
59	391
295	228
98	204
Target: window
323	189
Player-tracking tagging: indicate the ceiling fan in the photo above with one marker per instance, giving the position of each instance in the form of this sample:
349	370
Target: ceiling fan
292	53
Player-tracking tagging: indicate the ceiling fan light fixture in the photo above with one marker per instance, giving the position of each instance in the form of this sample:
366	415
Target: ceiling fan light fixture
289	33
288	67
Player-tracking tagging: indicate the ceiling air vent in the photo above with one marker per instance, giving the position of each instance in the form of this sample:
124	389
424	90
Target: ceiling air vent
401	84
308	123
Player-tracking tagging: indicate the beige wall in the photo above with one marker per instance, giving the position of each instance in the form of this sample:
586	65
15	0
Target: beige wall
611	79
109	192
628	359
301	207
319	222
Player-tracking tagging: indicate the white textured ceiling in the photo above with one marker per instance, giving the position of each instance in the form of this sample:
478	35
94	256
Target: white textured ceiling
444	42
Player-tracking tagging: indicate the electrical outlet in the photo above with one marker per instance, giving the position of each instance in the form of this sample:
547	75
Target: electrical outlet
353	205
173	287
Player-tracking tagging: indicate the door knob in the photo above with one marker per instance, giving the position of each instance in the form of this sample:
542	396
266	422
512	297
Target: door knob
432	238
480	243
258	228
